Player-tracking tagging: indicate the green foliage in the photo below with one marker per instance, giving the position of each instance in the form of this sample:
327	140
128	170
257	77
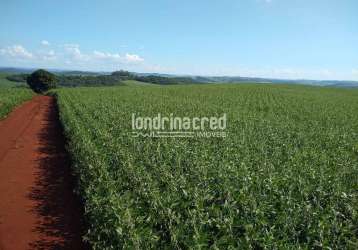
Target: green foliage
41	81
72	79
11	97
4	82
122	73
88	81
117	78
284	178
18	77
165	80
76	79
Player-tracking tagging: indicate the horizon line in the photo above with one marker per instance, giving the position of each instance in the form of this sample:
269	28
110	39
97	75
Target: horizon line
179	75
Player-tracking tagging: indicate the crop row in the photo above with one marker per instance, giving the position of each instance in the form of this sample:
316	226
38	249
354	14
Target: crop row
284	177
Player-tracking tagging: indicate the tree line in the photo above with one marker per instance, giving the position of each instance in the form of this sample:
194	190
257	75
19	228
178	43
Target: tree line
115	78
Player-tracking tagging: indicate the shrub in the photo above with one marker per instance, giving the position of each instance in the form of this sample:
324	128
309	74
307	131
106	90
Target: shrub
41	81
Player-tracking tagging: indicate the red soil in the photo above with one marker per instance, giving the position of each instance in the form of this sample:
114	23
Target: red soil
38	209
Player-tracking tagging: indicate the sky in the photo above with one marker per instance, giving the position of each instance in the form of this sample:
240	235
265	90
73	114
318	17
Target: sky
292	39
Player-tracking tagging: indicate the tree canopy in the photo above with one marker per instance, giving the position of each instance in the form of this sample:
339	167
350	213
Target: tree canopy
41	81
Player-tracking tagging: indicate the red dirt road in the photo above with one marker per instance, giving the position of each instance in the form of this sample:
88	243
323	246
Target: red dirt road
38	209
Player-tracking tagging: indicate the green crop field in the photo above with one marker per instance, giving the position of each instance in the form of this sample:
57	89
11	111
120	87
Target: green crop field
11	97
137	83
285	177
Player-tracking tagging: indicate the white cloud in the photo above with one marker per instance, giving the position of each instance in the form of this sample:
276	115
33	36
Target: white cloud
127	58
105	56
17	52
131	58
70	54
73	50
100	60
45	43
49	56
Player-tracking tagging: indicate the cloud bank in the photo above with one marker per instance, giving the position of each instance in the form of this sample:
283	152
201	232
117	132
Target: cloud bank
69	55
16	52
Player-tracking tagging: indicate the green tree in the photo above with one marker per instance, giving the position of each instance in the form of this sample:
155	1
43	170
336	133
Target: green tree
122	73
41	81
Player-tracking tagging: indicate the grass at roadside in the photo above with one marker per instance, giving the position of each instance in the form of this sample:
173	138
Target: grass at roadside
11	97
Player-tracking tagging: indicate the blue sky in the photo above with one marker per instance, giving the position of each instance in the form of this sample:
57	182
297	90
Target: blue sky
313	39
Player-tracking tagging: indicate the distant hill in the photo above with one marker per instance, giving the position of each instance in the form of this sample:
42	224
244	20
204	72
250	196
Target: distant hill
240	79
169	79
4	82
10	70
81	73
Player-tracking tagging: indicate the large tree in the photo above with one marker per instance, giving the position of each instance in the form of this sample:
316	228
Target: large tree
41	81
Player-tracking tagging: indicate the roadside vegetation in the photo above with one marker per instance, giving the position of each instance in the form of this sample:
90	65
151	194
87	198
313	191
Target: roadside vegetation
10	97
285	177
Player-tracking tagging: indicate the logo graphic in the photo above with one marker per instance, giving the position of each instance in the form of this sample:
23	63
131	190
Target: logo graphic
174	126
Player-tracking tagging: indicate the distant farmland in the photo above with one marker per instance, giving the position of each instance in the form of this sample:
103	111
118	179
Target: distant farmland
285	177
